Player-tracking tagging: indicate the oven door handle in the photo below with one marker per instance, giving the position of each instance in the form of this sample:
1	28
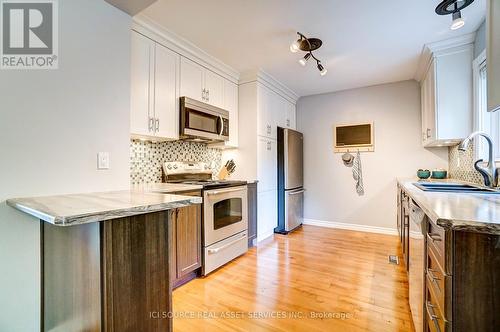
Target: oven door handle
216	250
217	192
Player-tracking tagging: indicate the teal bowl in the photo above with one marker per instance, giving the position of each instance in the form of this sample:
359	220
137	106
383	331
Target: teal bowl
423	174
439	174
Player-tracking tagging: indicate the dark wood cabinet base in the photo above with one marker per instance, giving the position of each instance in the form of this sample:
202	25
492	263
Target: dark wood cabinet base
108	276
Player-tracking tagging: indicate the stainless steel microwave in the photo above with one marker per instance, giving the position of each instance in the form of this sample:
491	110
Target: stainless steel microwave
203	122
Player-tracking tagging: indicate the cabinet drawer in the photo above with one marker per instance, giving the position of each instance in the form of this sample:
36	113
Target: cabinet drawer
435	320
436	238
440	284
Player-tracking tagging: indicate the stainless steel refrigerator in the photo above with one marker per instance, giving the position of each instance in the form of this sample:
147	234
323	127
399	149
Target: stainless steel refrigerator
290	180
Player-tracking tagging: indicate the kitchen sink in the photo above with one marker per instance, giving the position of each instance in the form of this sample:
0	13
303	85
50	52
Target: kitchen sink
453	188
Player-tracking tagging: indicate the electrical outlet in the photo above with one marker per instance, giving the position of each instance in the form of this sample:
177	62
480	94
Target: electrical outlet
103	160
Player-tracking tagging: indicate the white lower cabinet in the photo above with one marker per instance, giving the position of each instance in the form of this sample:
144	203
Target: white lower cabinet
266	164
267	213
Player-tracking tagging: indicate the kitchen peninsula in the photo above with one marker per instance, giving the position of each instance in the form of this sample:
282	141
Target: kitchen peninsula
105	259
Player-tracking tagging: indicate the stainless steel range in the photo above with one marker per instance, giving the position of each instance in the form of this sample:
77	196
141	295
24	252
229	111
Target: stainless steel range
225	212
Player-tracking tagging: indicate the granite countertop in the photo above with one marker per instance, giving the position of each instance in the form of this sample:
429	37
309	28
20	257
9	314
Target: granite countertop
165	187
74	209
457	211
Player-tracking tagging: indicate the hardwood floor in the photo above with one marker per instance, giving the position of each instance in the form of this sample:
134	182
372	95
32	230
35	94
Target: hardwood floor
313	270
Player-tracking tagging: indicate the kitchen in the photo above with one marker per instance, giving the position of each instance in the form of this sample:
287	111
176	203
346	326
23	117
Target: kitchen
163	143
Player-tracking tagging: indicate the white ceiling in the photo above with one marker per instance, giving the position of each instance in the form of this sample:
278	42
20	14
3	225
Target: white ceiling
365	42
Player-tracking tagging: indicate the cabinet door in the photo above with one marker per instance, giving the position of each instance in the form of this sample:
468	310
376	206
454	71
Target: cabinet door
191	84
291	118
430	107
423	102
214	87
231	104
267	213
166	92
264	112
266	164
142	68
188	239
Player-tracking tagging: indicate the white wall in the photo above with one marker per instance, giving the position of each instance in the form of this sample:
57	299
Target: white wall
52	124
395	111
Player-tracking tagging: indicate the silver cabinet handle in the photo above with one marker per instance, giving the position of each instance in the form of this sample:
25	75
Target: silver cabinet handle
288	122
203	94
157	125
151	123
208	95
297	192
216	250
268	146
435	237
434	317
428	132
268	129
431	275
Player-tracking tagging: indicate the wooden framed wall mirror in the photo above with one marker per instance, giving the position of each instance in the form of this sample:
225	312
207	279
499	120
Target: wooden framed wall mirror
353	137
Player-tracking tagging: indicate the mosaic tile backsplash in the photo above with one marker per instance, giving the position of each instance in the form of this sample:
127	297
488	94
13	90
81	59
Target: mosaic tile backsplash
461	165
147	158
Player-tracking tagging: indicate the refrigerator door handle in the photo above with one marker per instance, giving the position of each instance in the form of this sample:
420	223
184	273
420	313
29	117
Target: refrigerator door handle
297	192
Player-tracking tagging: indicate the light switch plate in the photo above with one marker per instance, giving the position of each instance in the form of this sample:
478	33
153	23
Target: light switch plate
103	160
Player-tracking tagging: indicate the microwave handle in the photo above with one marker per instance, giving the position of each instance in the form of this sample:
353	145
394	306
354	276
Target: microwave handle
221	125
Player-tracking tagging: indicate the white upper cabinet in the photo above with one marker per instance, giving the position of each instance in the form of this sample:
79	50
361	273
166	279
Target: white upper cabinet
142	61
231	105
291	116
166	95
192	85
273	111
154	89
214	89
447	97
201	84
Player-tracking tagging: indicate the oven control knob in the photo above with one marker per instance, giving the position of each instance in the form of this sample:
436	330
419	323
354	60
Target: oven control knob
175	166
169	166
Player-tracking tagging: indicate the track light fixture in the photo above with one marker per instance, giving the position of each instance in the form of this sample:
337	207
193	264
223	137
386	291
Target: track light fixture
453	8
306	57
308	45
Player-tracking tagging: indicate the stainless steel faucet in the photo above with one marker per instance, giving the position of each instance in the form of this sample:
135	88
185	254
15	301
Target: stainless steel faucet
490	172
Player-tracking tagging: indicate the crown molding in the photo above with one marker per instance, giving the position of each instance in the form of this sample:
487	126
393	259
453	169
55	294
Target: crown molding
440	48
149	28
269	81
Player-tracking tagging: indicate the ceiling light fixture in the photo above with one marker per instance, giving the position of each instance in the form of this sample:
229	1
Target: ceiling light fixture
453	8
308	45
306	57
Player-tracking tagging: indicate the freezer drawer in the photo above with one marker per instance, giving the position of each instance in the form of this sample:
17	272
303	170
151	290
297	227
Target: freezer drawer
294	209
224	251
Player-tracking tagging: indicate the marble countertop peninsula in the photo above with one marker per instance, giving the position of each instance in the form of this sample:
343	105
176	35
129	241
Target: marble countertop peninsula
74	209
457	211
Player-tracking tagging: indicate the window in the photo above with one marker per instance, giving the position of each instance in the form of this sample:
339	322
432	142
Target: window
488	122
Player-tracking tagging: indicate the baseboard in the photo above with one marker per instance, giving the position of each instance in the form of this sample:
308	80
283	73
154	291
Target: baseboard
265	236
351	227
